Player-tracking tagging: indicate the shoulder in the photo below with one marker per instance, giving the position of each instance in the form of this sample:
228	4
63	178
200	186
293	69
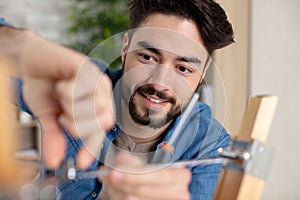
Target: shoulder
114	75
209	133
201	135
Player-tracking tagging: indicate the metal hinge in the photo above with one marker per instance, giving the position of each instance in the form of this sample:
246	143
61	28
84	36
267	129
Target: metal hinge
253	158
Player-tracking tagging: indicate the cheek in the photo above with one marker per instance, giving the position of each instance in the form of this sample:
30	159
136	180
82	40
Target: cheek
130	62
184	89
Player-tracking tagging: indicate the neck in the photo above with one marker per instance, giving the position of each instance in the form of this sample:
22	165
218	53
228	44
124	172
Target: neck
154	137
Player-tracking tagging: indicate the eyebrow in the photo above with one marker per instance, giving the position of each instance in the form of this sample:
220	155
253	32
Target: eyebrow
146	45
189	59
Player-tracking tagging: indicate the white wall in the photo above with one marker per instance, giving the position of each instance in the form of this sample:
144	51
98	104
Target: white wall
275	69
48	18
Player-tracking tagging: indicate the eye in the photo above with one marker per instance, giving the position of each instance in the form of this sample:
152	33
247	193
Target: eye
146	58
184	70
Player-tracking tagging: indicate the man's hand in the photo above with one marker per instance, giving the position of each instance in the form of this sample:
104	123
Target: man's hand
63	89
139	181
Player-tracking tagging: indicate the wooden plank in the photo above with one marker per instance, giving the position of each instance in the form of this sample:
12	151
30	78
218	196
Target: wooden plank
232	65
258	118
7	132
12	173
250	188
255	126
229	180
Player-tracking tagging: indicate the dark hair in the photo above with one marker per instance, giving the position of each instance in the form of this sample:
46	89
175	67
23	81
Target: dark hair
211	19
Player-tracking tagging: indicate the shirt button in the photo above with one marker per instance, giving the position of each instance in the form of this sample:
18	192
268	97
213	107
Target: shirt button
114	129
94	194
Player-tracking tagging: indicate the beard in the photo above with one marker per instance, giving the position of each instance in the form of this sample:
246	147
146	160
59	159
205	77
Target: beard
152	117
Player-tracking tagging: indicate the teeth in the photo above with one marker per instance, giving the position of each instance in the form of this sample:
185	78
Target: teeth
154	100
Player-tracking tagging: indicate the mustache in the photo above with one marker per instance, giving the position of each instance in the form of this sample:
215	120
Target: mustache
150	90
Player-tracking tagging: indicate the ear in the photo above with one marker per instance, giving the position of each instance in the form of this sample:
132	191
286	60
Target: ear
124	47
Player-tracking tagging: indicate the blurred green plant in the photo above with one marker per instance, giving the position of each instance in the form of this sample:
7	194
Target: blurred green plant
93	21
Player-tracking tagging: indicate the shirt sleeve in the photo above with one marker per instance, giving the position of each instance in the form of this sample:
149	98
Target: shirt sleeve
19	95
4	23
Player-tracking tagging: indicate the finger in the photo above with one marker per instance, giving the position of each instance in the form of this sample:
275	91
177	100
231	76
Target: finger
80	109
91	132
176	186
89	106
115	194
174	191
159	177
87	93
53	152
80	106
90	150
62	62
82	119
83	128
43	103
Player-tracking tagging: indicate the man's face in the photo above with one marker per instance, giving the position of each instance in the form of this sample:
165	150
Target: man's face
163	65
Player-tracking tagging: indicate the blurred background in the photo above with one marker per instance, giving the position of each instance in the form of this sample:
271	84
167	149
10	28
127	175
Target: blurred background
264	60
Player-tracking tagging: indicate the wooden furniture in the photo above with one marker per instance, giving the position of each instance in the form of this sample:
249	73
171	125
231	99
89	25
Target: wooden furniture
13	174
255	127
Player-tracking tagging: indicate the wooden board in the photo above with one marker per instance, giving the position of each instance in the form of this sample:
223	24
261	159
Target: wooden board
12	173
7	131
255	125
232	63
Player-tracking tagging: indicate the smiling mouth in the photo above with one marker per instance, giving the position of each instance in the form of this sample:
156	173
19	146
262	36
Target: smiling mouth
152	101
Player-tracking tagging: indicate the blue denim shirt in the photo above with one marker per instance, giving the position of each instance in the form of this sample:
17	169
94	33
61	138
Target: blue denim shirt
3	22
200	138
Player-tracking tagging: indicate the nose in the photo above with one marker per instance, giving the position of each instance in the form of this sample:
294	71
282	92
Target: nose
161	77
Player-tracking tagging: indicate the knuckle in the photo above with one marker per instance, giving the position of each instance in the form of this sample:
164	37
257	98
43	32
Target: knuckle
106	120
186	175
65	90
106	80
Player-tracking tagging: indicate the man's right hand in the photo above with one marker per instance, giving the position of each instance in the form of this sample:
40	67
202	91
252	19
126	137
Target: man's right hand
63	89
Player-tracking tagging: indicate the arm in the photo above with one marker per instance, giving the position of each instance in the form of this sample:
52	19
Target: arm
28	52
50	73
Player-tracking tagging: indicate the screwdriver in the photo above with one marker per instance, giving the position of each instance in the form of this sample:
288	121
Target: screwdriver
72	172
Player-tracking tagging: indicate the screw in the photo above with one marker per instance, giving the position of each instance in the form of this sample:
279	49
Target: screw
261	149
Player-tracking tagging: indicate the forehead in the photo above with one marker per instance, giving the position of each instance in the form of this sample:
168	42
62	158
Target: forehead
172	33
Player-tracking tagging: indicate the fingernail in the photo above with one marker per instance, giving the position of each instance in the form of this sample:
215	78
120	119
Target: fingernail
62	120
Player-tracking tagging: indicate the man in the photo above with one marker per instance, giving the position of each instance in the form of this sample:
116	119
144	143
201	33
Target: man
163	64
